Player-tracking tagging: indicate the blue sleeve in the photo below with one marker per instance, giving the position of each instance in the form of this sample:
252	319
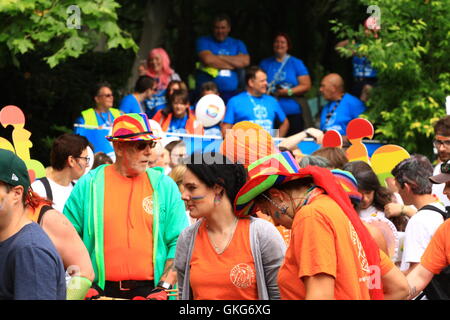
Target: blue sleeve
300	68
37	275
358	107
78	130
128	104
278	111
242	48
229	112
202	44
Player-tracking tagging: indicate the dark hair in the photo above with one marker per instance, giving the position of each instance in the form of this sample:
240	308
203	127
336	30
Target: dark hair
250	73
143	83
223	172
222	17
101	158
335	156
97	87
442	127
66	145
368	181
209	86
286	36
177	95
415	171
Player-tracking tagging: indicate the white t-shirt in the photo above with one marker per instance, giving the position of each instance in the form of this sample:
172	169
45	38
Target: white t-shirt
438	189
60	193
418	233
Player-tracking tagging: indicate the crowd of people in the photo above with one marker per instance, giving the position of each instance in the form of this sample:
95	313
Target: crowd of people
130	213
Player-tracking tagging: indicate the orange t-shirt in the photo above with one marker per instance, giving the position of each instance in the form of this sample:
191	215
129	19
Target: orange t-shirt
128	225
323	240
437	255
227	276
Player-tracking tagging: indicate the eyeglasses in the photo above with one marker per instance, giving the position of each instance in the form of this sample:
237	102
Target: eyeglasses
85	158
438	143
142	145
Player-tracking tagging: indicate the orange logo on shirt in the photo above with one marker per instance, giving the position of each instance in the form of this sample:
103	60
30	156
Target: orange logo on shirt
242	275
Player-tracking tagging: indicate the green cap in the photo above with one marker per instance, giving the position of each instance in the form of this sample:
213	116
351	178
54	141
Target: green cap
13	170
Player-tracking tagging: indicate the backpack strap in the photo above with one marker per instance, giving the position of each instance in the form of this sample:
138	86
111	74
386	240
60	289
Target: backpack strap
444	214
44	209
48	189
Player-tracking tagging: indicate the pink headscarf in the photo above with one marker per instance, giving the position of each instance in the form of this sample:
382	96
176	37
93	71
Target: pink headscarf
165	73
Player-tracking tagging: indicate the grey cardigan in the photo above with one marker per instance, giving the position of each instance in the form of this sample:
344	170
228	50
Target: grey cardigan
268	249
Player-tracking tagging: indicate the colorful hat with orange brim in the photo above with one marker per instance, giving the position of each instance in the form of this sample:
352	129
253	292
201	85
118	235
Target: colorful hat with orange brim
132	127
264	174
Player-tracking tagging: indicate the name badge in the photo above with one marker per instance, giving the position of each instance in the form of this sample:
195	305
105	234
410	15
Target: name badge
225	73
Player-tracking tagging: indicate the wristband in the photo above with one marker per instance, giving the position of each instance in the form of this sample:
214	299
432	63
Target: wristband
164	285
289	92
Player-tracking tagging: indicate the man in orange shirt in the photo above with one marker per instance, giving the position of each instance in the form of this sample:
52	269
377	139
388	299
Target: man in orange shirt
129	216
437	255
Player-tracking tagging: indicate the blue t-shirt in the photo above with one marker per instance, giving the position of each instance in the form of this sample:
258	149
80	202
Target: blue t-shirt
227	80
262	110
155	103
362	68
130	104
30	267
286	78
348	108
178	125
97	136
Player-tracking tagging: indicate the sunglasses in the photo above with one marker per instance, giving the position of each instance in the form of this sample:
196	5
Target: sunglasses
142	145
109	95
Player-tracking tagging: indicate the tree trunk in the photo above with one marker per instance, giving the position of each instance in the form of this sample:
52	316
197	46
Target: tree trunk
155	19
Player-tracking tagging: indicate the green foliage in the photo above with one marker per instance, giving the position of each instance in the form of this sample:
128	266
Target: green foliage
63	30
412	57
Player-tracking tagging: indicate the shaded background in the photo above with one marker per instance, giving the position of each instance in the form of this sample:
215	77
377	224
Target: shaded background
52	98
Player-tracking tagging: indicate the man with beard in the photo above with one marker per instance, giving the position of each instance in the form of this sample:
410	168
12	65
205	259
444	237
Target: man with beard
442	144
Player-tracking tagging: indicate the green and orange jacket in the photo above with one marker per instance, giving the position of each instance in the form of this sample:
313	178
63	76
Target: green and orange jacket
84	209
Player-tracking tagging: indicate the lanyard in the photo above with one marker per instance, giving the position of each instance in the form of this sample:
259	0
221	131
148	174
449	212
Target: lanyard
277	74
330	113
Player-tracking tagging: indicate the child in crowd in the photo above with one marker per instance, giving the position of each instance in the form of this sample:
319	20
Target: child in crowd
177	116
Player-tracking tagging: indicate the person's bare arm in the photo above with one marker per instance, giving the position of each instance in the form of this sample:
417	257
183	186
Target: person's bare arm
395	285
303	87
211	60
238	61
319	287
170	273
418	279
69	245
284	128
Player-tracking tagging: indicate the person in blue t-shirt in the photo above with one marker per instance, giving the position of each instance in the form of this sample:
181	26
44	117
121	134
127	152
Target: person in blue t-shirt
220	58
288	78
143	89
341	108
96	123
255	105
30	266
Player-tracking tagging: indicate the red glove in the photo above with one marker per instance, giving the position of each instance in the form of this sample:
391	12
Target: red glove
157	294
92	294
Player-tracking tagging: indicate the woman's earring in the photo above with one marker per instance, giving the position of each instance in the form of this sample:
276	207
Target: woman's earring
217	199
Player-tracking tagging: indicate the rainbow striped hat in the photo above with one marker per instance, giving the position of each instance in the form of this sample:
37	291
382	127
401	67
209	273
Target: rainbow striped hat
264	174
132	127
348	183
